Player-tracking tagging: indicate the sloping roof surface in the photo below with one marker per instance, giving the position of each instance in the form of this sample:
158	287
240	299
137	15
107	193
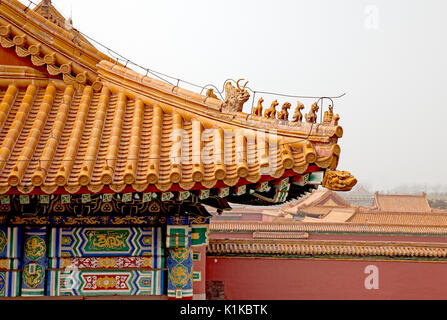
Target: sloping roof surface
399	218
401	203
102	124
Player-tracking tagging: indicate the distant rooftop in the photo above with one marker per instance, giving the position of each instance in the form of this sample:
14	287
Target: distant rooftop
401	203
358	196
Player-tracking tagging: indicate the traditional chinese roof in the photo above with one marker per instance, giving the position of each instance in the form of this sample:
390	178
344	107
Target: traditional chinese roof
87	123
340	214
358	196
401	202
318	204
280	235
327	247
401	218
325	227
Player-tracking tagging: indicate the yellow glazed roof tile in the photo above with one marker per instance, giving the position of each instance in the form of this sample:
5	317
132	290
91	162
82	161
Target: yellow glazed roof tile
55	136
326	247
92	123
401	203
324	226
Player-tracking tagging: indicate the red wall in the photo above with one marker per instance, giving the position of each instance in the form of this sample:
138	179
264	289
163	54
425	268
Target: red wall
294	279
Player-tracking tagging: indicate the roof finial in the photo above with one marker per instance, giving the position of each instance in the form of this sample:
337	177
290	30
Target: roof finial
45	7
69	21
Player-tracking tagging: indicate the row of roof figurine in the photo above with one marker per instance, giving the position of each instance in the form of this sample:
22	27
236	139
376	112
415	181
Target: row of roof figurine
237	96
311	116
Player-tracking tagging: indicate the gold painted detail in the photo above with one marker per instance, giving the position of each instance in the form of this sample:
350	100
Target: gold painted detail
107	240
33	275
338	180
66	241
107	262
34	248
179	276
147	240
180	254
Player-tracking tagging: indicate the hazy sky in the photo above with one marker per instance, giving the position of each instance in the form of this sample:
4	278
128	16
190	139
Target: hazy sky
388	56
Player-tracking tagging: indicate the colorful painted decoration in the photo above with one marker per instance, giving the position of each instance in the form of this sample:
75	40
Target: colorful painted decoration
316	177
196	276
3	240
177	236
147	197
107	197
72	282
241	190
280	196
35	248
183	195
10	243
35	262
87	220
199	235
166	196
10	264
223	192
204	194
177	232
44	199
283	185
24	199
9	284
282	190
86	197
127	197
178	220
104	262
263	187
100	242
199	220
33	276
196	256
4	199
301	180
76	253
65	198
179	264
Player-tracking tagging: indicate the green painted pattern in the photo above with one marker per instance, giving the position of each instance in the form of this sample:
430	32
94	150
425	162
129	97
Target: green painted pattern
35	248
33	275
3	240
107	240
